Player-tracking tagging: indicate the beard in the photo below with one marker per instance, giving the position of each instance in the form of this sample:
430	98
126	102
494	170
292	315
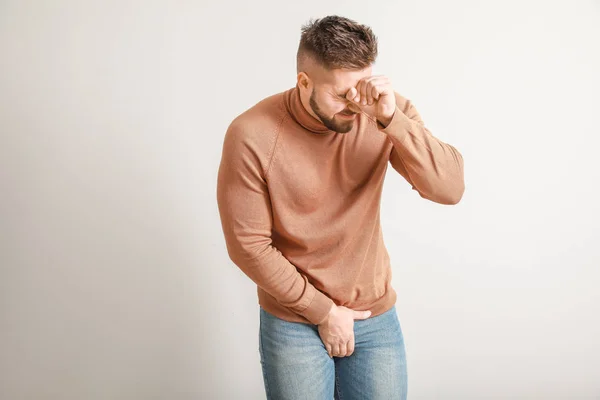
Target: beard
330	123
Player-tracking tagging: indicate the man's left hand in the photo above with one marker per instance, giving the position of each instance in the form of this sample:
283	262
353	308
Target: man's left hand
374	95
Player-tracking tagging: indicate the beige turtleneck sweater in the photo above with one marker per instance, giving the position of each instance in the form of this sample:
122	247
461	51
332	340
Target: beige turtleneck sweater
299	203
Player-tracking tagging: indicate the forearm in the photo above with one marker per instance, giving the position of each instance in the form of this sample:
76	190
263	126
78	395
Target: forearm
270	270
434	168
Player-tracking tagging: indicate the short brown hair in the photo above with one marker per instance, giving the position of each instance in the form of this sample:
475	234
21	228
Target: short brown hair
337	42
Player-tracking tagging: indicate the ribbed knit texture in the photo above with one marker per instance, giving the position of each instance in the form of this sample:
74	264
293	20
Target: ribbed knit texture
299	203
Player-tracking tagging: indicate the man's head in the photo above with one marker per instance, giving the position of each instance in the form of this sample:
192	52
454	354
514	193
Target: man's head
333	55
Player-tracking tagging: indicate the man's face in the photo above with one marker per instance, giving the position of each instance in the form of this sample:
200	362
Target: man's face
328	97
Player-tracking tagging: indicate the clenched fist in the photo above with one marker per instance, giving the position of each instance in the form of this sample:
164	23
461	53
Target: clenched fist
374	95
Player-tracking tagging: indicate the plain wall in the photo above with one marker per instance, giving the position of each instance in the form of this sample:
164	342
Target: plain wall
115	282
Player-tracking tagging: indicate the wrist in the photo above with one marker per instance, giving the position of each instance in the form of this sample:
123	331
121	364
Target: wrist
331	311
385	120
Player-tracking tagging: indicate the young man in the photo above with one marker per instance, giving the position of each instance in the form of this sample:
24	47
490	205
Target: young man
299	190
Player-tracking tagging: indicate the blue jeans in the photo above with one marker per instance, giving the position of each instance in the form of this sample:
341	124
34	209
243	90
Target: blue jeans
296	365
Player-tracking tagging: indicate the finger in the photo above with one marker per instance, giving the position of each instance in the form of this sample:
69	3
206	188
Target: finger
364	91
371	94
328	347
350	346
375	90
355	100
362	314
370	98
370	82
343	350
351	94
385	90
362	88
379	80
354	108
336	350
357	95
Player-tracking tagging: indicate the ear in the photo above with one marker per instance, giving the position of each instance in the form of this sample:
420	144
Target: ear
303	80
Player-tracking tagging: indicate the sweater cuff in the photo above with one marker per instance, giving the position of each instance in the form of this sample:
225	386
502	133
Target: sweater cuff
398	127
318	308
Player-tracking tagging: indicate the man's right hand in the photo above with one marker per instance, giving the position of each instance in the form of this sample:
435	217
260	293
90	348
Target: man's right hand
337	330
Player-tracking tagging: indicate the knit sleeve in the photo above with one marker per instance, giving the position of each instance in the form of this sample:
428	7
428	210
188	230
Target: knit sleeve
434	169
246	218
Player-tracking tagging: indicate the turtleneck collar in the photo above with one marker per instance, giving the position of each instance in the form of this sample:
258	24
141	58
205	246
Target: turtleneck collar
294	106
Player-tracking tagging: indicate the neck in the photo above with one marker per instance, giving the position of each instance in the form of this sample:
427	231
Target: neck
302	113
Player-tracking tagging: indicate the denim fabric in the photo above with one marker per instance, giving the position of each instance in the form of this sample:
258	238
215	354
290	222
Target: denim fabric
295	363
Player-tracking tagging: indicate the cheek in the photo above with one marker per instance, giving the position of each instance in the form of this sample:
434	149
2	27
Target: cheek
338	106
332	106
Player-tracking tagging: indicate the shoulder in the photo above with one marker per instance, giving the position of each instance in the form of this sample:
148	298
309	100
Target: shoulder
255	130
260	121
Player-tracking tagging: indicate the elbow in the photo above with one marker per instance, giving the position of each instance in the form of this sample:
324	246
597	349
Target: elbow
240	256
444	193
454	183
454	195
247	254
451	188
448	200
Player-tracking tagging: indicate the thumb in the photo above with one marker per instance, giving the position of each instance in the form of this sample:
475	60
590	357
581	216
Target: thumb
362	314
354	108
351	94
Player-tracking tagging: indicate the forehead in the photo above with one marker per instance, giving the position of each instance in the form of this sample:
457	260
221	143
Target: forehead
341	80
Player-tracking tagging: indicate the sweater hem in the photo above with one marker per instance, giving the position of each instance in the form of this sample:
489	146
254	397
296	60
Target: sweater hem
272	306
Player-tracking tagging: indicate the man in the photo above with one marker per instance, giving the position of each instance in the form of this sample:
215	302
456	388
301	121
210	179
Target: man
299	190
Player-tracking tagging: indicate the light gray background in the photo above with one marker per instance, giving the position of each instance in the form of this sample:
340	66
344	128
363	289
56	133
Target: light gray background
115	282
